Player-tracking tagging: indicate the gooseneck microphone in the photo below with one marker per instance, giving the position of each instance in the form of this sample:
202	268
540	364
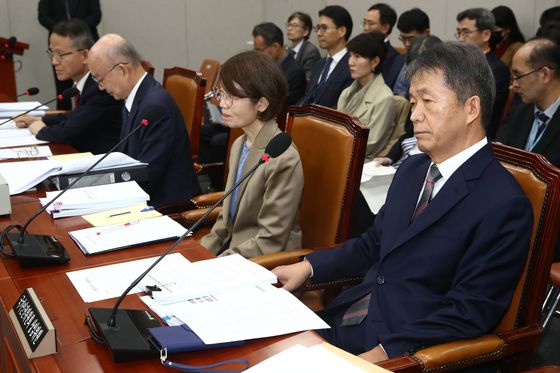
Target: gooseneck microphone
123	331
28	92
67	93
10	42
33	249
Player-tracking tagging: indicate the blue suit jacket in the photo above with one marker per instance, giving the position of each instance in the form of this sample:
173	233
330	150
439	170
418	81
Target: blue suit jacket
449	274
327	94
501	77
391	65
94	126
163	144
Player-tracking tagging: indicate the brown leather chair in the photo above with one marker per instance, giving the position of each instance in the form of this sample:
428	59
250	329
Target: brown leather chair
209	70
187	88
331	147
402	111
519	332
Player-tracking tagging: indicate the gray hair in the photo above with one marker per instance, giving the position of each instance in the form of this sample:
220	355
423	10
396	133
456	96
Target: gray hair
465	72
484	18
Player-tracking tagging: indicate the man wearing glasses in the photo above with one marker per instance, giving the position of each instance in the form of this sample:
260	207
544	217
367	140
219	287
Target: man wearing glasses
163	144
94	125
475	26
381	17
330	75
534	125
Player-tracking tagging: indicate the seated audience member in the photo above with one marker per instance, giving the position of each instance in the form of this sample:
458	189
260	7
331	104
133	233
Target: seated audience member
412	24
330	75
95	123
268	38
406	145
163	144
534	125
381	17
550	30
368	98
299	28
444	255
475	26
550	15
261	216
507	36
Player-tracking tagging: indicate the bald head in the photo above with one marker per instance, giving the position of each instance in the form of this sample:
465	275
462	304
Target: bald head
116	65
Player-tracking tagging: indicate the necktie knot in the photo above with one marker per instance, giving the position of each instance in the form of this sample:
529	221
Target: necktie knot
541	117
326	67
434	173
433	176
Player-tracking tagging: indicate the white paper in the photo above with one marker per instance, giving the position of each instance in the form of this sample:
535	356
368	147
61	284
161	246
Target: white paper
298	358
371	169
22	106
21	176
25	152
97	198
10	137
213	276
375	184
247	313
94	284
10	114
113	160
111	237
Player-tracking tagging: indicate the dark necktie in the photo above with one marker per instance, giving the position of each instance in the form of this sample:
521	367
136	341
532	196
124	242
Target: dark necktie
433	176
325	71
76	101
357	311
542	119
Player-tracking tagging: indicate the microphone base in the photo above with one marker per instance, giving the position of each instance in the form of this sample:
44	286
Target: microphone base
37	250
129	338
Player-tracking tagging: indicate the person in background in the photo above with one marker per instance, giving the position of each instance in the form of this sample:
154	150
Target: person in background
330	75
412	24
381	17
95	124
262	215
268	38
51	12
507	36
299	28
164	144
368	98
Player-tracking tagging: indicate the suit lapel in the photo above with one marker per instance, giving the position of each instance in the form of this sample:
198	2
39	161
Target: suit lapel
342	64
128	122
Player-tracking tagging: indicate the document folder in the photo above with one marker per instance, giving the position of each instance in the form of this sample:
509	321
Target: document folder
181	338
138	173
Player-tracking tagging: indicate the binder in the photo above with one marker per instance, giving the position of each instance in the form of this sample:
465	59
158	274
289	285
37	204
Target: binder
138	173
181	338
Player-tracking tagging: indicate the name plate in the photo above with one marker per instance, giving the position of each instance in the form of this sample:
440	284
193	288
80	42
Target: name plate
33	326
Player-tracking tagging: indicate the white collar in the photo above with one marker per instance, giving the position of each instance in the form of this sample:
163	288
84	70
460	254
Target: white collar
338	55
297	47
82	82
130	99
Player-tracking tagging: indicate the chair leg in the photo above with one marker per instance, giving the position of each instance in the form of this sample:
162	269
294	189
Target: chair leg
552	309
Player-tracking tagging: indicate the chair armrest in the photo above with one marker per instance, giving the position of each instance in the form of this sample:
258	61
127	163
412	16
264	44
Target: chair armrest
188	218
175	207
271	261
467	353
204	201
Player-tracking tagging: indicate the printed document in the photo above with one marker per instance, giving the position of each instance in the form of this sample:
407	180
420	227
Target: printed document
25	152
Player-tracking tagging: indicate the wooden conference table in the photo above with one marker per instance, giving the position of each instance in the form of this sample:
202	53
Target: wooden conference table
76	350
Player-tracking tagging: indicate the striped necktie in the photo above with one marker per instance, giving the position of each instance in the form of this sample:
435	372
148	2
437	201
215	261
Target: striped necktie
433	176
540	121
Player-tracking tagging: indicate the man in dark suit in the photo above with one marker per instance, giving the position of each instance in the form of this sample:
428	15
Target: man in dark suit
381	17
444	254
536	78
331	74
53	11
164	143
95	124
268	38
475	26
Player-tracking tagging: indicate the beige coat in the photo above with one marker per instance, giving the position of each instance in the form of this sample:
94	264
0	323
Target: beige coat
266	219
376	111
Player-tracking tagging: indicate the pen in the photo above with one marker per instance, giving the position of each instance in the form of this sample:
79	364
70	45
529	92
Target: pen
149	208
116	227
119	214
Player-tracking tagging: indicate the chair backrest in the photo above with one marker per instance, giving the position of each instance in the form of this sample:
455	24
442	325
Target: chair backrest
209	70
541	182
402	111
187	88
331	146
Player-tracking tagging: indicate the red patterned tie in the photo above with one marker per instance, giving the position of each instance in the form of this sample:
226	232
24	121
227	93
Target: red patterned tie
433	176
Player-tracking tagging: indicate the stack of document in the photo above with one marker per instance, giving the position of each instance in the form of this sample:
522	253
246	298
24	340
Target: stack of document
375	184
89	200
10	135
11	109
24	175
97	240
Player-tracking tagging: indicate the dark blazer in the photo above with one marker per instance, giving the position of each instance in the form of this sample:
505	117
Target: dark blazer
53	11
515	132
307	56
163	144
449	274
295	74
391	65
328	92
94	126
501	76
